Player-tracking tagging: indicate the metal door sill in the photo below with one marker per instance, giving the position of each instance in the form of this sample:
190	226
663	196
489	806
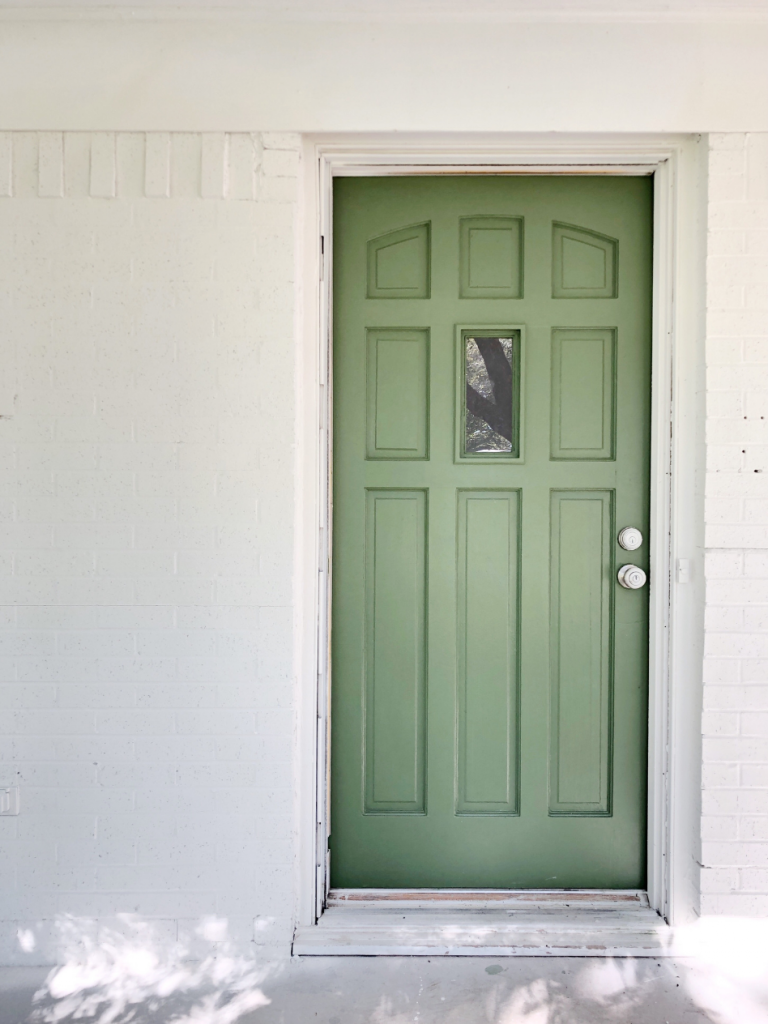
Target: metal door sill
445	922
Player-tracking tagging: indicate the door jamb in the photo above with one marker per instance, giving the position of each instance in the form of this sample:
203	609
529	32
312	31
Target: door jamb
677	456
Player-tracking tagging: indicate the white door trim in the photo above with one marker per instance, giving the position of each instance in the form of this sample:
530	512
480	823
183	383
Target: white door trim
677	462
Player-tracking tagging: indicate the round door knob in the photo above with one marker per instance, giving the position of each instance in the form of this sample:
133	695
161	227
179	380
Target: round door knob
630	538
632	577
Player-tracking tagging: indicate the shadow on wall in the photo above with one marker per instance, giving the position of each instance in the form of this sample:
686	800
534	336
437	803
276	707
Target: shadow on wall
130	972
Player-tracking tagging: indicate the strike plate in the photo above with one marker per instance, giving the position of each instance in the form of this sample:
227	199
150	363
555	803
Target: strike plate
9	800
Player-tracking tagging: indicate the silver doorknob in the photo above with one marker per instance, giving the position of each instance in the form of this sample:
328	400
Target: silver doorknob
632	577
630	538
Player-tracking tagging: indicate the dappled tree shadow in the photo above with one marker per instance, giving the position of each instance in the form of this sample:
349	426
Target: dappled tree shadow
129	972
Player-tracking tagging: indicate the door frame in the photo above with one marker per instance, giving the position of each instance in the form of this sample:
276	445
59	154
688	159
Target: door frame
677	463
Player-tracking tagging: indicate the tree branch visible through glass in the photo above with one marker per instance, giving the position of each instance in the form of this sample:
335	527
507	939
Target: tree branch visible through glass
488	375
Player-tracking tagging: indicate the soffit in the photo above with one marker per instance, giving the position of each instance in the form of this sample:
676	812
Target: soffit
396	10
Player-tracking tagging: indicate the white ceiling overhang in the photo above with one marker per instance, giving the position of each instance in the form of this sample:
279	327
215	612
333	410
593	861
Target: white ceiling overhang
402	10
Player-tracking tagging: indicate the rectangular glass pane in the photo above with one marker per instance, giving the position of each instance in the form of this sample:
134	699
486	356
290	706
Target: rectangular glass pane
488	377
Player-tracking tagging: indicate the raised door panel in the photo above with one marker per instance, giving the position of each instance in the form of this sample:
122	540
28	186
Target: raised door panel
491	258
488	643
581	652
585	264
399	264
397	413
395	652
583	393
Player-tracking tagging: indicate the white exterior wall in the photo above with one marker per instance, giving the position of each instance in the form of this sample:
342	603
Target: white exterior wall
382	65
147	415
734	877
146	530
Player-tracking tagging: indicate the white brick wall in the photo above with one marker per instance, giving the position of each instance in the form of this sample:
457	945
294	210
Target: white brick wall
146	509
734	877
146	502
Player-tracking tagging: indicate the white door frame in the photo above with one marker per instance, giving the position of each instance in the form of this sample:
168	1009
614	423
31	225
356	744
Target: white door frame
677	463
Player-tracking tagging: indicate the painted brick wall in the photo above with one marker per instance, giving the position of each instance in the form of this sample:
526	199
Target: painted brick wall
146	500
146	507
735	723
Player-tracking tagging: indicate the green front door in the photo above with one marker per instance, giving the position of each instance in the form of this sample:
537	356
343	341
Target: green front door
492	361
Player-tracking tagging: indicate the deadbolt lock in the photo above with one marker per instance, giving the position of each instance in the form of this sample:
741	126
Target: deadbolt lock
630	538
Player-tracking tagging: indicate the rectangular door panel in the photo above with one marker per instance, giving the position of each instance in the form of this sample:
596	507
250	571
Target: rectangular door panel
581	648
583	390
395	674
487	592
491	258
397	413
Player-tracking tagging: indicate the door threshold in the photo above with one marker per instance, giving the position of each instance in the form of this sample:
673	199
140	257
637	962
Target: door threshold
479	899
445	922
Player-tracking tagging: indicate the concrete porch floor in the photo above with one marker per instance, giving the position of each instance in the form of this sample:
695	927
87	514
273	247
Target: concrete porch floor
451	990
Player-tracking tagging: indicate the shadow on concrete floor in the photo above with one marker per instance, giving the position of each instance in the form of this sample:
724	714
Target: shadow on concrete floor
424	990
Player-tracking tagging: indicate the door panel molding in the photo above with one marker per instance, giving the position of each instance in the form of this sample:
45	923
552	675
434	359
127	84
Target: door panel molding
491	257
394	737
399	264
488	607
397	393
582	524
574	435
676	610
594	273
